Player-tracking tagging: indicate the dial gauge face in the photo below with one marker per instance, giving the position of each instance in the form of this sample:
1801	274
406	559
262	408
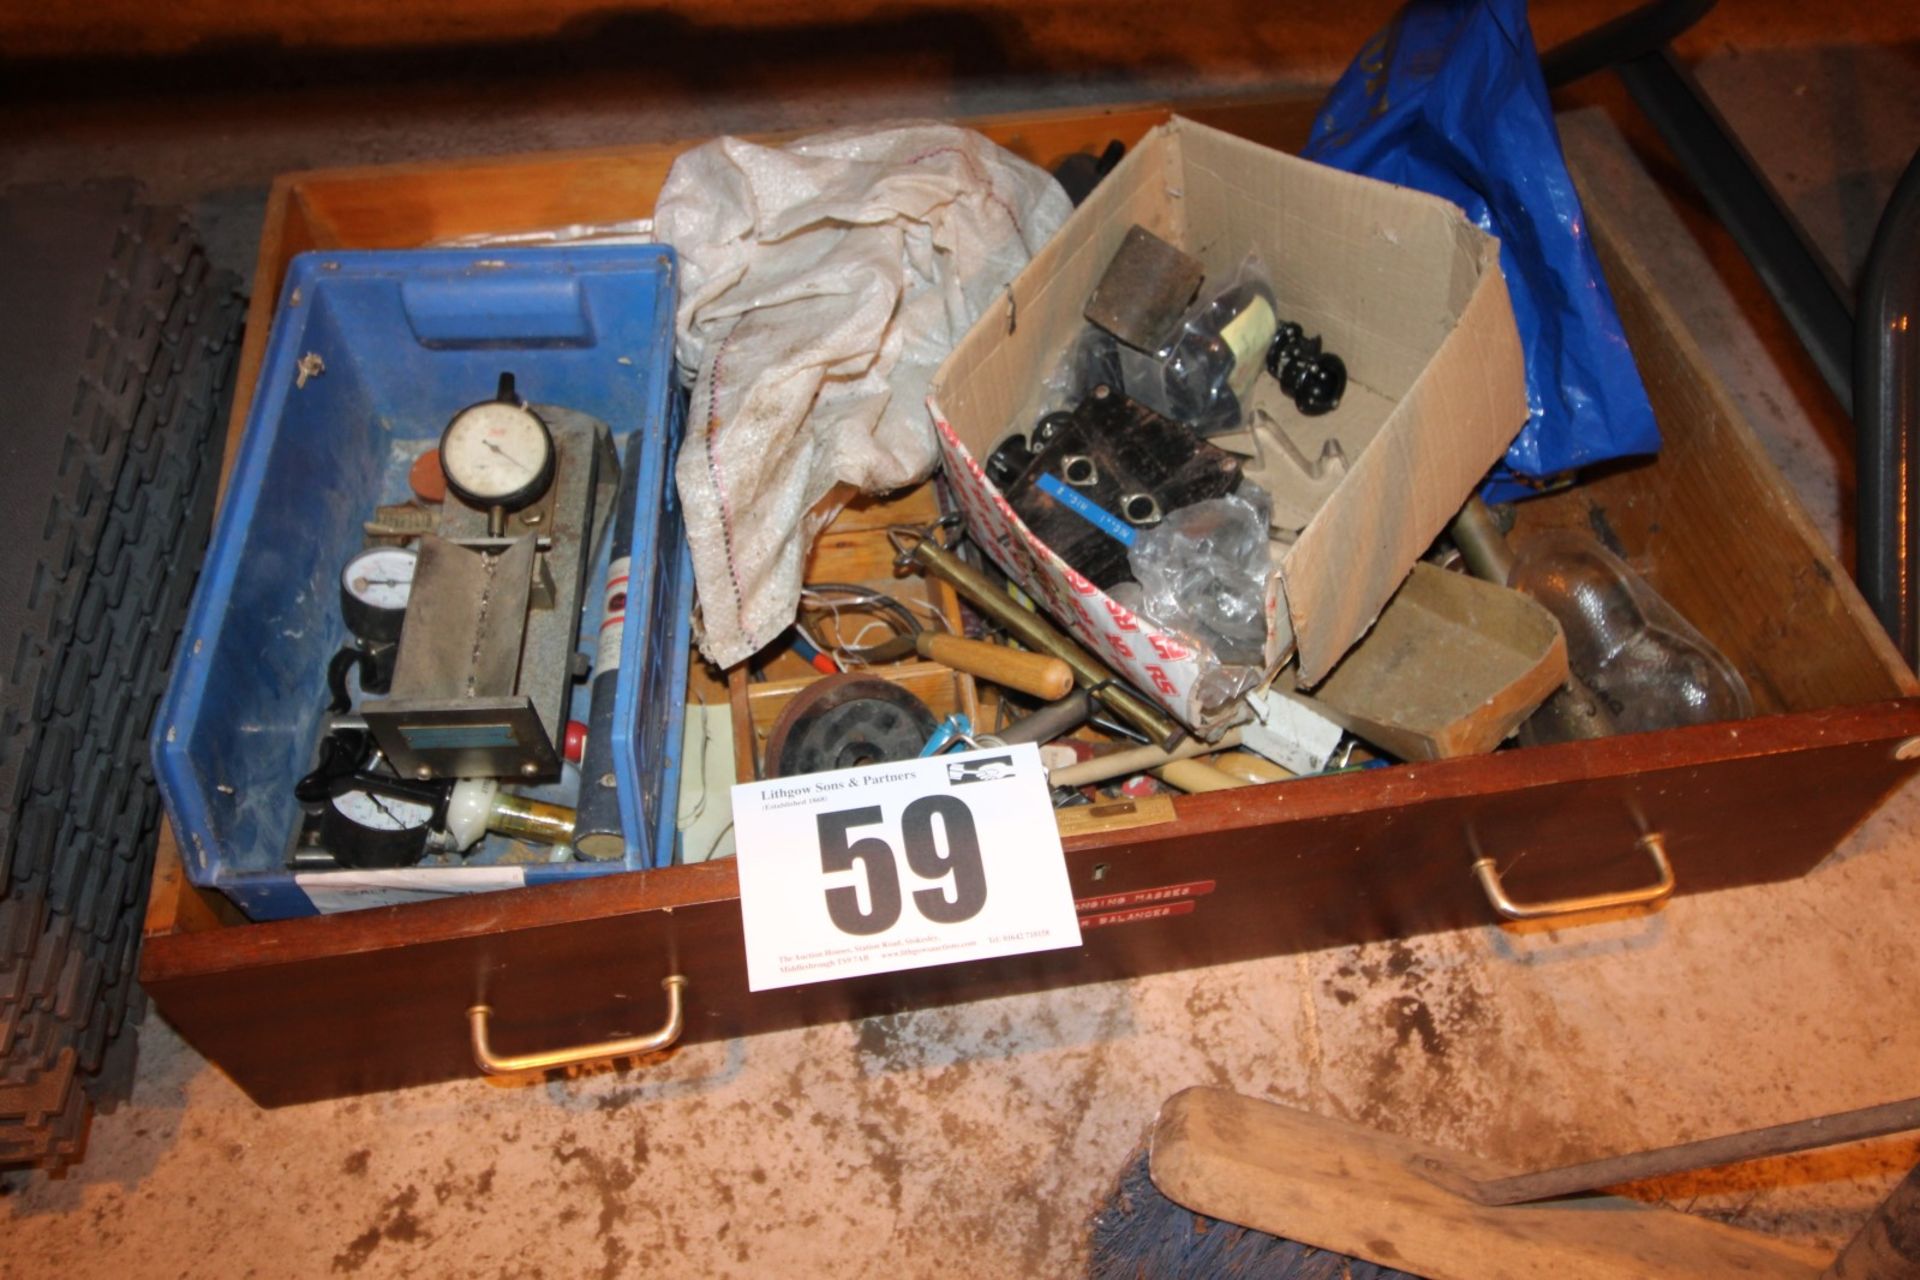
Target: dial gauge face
374	589
382	813
380	578
497	454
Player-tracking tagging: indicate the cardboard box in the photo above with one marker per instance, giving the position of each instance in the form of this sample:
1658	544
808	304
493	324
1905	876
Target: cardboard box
1400	284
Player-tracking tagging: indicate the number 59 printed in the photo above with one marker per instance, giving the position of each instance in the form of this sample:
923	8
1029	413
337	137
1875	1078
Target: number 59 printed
900	866
959	882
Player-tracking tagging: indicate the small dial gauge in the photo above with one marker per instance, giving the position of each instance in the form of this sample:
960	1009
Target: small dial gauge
382	813
374	589
364	829
497	453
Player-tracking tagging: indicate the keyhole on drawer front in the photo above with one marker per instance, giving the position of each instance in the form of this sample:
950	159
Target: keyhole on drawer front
1100	870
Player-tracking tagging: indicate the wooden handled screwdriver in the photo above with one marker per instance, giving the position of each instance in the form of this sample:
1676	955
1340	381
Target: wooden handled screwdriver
1032	673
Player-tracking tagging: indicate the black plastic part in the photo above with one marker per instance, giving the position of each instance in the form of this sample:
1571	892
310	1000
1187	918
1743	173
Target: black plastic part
1079	173
1201	369
1009	461
1317	385
1315	380
344	662
853	733
1634	33
340	755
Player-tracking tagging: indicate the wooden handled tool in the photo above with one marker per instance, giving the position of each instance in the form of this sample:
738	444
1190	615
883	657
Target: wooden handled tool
1249	767
1451	1215
1195	776
1033	673
1119	764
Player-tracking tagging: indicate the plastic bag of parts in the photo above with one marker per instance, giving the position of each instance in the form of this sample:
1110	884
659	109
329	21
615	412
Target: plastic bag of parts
1650	666
1449	99
1204	376
1205	571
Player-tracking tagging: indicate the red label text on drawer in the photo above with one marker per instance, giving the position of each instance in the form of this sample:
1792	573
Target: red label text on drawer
1142	897
1159	912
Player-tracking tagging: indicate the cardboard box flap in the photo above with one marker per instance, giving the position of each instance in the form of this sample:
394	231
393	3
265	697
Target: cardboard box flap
1452	425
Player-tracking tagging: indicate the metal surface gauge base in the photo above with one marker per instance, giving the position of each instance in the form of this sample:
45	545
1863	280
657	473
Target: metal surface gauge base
487	653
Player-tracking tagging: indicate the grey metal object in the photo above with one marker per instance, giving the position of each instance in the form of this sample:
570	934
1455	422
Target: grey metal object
465	621
486	662
1054	720
1571	713
497	736
1886	407
1141	509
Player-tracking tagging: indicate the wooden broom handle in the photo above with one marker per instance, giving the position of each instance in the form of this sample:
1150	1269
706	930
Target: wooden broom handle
1033	673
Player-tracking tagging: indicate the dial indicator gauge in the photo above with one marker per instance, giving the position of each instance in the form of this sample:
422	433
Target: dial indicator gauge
382	813
366	829
497	454
374	589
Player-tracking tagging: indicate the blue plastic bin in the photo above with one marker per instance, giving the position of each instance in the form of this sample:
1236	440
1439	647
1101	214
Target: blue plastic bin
392	344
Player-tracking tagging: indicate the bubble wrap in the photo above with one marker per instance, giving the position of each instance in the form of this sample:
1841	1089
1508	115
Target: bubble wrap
822	282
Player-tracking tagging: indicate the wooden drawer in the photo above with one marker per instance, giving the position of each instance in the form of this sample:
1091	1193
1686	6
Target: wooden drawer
314	1008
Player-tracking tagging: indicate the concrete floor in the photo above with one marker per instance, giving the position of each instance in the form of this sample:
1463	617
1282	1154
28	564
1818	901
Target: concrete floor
979	1140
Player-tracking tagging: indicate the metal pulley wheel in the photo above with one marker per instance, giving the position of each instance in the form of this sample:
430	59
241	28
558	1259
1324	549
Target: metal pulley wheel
845	722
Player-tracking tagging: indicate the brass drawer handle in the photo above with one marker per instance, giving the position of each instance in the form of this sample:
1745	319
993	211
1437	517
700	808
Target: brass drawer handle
1663	887
631	1047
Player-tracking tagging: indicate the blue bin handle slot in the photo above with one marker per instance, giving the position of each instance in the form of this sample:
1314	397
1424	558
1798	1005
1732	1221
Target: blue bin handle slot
489	306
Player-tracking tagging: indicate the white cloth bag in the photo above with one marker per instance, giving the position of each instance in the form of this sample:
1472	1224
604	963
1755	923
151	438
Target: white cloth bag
822	282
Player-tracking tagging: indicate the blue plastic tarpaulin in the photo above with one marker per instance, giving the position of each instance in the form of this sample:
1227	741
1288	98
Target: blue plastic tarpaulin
1448	98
